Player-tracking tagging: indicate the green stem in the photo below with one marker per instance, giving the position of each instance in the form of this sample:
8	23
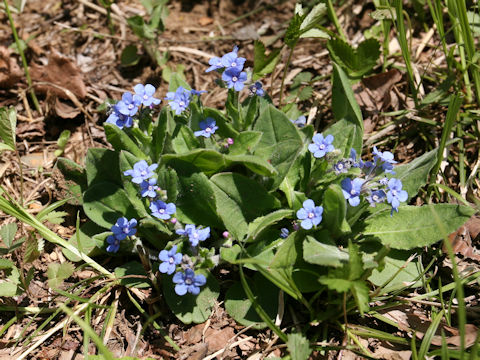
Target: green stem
285	73
22	55
333	17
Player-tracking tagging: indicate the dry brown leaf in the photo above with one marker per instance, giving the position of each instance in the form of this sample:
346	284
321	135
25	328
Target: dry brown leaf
62	72
66	110
204	21
10	72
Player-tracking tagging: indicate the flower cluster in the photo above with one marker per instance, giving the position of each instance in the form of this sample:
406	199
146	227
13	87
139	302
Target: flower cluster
233	76
122	113
374	185
122	228
180	98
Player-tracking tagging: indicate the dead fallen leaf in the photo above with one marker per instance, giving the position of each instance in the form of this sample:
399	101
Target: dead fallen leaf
66	110
204	21
62	72
10	72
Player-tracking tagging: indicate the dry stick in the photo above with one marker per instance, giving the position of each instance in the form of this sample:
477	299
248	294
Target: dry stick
235	344
101	10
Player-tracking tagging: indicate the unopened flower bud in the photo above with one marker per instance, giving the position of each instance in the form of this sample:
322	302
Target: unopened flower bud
225	234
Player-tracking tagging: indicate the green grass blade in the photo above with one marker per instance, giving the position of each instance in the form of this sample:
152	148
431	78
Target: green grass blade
427	338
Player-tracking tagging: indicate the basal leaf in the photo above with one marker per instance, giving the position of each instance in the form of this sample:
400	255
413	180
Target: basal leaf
324	253
416	226
263	64
7	233
102	165
298	345
57	273
121	141
132	268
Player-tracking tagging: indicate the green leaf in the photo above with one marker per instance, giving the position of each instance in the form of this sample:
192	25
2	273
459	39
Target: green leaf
55	217
62	142
105	202
138	26
252	162
121	141
130	56
298	345
315	33
360	292
10	279
313	17
415	226
293	31
196	199
176	80
397	272
263	64
193	308
335	210
57	273
356	62
245	143
7	233
183	140
87	243
263	222
159	134
348	128
280	143
323	253
240	200
8	125
168	180
240	307
102	165
70	179
127	161
414	175
206	160
132	268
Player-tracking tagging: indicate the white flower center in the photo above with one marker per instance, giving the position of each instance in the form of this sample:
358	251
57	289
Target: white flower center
130	106
340	166
125	230
234	64
353	192
208	130
311	215
188	281
143	173
375	197
181	103
195	235
150	187
171	260
394	192
321	146
161	211
145	96
234	79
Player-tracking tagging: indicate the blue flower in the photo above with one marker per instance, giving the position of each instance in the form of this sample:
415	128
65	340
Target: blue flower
188	282
215	64
141	171
300	122
352	189
341	167
119	119
353	158
129	104
256	89
179	100
194	234
232	61
114	244
170	259
310	214
284	233
194	92
209	126
234	78
396	195
376	197
149	188
386	158
321	146
162	210
146	94
124	228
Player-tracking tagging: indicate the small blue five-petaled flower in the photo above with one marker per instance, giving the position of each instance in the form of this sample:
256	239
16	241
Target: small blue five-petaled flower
129	104
122	228
194	234
209	126
188	282
162	210
170	259
141	171
396	195
321	146
352	189
232	61
146	94
256	89
310	214
376	197
179	100
234	78
119	119
300	122
149	188
386	158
